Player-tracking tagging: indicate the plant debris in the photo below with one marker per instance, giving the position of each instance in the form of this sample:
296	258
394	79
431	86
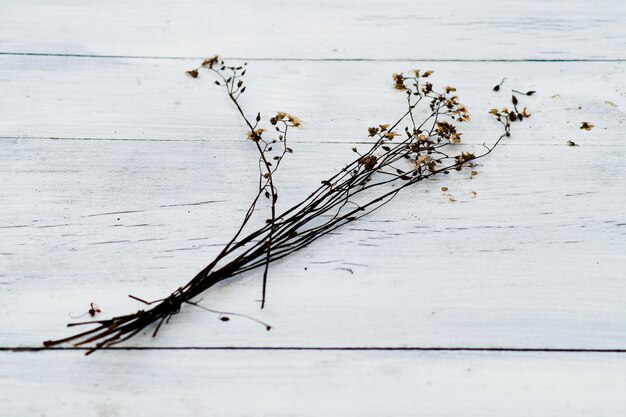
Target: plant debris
93	310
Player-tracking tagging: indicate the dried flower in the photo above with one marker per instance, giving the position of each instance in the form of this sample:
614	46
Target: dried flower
368	161
286	118
209	62
463	159
398	80
448	131
424	162
255	135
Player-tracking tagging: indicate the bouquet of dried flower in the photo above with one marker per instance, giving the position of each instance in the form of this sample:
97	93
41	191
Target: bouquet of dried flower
401	154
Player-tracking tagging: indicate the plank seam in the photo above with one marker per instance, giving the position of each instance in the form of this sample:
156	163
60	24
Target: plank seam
62	55
322	349
338	142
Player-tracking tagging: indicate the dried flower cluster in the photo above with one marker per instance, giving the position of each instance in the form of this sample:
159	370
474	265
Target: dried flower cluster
422	143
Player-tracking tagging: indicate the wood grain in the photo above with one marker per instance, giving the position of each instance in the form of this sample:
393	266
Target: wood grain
312	384
398	29
119	174
533	261
121	99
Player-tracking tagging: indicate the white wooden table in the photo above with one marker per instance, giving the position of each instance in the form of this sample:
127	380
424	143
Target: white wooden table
119	174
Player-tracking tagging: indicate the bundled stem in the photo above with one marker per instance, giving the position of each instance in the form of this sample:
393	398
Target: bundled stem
398	158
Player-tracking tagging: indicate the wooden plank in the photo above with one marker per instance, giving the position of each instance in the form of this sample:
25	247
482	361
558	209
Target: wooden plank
123	176
485	29
235	383
535	260
147	99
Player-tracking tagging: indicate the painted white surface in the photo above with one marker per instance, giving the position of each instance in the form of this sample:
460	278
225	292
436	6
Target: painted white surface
64	97
123	176
480	29
235	383
97	220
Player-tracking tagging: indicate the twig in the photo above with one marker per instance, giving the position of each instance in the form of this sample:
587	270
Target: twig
397	159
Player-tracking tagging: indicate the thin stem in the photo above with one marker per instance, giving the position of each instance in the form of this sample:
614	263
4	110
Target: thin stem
361	187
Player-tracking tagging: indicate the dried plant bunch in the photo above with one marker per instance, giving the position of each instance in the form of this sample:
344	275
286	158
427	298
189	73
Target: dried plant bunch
420	144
